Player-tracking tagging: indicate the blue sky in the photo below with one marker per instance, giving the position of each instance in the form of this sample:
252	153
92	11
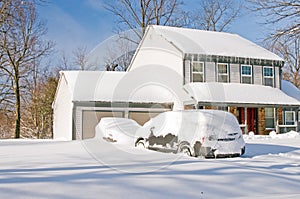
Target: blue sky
78	23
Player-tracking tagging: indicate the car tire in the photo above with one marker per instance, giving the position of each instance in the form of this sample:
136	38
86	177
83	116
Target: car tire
243	150
185	149
140	144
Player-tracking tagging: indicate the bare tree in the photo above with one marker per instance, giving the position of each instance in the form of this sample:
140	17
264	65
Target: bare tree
118	55
80	57
136	15
289	49
20	45
216	15
284	14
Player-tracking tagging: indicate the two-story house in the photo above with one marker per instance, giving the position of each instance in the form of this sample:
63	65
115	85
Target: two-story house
175	69
222	71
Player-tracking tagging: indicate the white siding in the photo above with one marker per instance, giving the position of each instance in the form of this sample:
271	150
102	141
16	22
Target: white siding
155	50
62	112
78	124
234	73
277	77
257	74
187	71
210	72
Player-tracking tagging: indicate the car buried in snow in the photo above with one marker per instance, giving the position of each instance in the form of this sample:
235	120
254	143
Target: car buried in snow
206	133
117	130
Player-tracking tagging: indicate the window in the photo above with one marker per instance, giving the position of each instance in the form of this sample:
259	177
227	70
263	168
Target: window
269	116
298	116
246	74
289	118
223	108
268	76
197	72
222	72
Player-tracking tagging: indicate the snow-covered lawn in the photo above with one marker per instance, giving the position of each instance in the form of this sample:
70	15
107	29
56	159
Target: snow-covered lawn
97	169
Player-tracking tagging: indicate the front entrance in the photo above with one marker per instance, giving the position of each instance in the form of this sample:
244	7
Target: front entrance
251	119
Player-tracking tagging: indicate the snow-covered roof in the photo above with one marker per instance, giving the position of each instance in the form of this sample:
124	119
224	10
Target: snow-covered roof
290	89
239	94
109	86
193	41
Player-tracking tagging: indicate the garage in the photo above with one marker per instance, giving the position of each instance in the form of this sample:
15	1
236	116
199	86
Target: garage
84	97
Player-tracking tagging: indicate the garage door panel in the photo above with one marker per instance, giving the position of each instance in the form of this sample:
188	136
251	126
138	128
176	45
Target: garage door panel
142	117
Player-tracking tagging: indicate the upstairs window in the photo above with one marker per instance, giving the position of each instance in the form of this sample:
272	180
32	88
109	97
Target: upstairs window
198	72
222	70
246	71
268	76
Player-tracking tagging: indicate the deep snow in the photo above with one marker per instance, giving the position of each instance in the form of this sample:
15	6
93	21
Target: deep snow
97	169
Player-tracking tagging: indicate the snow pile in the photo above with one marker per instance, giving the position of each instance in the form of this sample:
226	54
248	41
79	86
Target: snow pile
32	169
272	135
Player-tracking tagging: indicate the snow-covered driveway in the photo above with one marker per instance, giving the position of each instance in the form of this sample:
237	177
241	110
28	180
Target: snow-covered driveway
97	169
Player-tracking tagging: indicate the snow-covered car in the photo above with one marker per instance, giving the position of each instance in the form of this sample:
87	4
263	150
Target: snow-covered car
208	133
119	130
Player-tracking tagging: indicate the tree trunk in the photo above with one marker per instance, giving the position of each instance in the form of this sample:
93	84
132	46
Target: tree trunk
17	109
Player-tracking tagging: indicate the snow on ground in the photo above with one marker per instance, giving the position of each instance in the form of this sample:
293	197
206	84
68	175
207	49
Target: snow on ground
98	169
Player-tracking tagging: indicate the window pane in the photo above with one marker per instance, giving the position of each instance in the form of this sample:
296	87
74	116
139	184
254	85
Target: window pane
268	72
246	70
269	117
197	67
197	77
270	123
269	112
247	80
222	68
222	73
222	78
289	118
268	81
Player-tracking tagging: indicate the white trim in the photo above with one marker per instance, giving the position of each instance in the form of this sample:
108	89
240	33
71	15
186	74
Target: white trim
201	73
285	116
268	77
223	74
242	75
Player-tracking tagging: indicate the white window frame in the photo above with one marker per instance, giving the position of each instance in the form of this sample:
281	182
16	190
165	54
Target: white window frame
223	74
285	116
298	116
272	117
268	77
243	75
196	72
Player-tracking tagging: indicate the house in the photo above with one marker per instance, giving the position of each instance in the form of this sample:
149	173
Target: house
84	97
222	71
176	69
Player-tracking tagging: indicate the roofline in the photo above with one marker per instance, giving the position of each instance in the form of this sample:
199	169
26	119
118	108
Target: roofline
252	105
138	48
61	74
142	41
238	60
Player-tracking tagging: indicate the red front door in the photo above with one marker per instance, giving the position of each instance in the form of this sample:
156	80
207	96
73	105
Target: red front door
251	118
